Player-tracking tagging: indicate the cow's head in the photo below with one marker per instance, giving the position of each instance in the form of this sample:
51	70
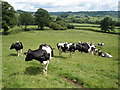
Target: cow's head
12	46
28	55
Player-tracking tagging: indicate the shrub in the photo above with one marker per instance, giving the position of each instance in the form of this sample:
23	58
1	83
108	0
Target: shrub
14	30
69	26
56	26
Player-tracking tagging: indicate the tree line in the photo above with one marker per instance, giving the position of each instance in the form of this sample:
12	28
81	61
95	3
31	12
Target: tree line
42	18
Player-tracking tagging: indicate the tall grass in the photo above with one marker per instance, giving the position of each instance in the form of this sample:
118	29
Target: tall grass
88	70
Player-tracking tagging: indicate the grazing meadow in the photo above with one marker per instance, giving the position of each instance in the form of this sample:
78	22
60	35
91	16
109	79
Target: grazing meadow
80	71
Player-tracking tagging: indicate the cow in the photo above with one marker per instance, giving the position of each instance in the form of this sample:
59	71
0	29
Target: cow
18	46
85	47
66	47
107	55
101	44
48	48
100	53
43	54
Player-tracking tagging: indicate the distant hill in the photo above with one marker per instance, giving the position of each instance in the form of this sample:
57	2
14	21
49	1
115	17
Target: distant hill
21	11
90	13
85	13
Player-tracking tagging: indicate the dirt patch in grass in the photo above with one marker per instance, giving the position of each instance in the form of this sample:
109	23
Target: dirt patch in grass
73	81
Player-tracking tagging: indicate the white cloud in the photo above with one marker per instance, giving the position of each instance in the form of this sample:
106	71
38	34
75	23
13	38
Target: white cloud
65	5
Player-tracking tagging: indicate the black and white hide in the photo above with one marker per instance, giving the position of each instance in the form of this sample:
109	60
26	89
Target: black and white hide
100	53
107	55
66	47
18	46
101	44
85	47
48	49
43	54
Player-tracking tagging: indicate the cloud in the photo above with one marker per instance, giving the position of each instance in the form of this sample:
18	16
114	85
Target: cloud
65	5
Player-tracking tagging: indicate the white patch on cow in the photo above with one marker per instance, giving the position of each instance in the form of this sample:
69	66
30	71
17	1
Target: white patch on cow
103	55
19	52
68	45
90	49
45	63
48	50
108	55
61	44
17	41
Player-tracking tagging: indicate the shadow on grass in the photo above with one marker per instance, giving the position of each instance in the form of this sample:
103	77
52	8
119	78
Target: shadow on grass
33	70
12	54
61	57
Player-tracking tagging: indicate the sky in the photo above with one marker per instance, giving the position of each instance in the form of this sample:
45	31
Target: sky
65	5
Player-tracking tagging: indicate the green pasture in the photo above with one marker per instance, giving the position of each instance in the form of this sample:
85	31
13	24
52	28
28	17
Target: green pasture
88	71
93	27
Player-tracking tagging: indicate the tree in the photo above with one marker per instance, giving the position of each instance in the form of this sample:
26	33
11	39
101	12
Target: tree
59	18
64	15
8	16
26	19
107	24
42	18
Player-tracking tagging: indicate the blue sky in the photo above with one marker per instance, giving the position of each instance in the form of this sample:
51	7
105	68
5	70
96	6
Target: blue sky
65	5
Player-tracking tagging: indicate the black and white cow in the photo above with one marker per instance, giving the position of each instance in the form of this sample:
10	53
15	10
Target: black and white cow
48	48
107	55
85	47
43	54
18	46
66	47
101	44
100	53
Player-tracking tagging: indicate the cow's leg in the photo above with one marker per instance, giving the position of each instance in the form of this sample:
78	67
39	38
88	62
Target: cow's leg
72	54
60	52
18	53
21	52
44	72
45	63
46	67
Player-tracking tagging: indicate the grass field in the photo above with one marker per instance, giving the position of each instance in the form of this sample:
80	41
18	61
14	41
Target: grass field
82	71
92	27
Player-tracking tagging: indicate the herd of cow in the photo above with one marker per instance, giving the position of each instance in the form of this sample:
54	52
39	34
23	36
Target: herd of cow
45	52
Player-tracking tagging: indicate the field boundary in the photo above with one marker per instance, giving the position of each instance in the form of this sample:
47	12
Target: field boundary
97	31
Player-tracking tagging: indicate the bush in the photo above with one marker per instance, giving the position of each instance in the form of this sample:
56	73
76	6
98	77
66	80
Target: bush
56	26
14	30
69	26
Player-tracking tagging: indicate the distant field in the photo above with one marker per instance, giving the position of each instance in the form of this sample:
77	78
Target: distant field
93	27
82	71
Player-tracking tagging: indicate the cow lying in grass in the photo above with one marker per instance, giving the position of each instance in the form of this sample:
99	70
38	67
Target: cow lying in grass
100	53
43	54
18	46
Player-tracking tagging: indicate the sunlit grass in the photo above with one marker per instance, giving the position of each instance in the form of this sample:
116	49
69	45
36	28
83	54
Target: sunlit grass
90	71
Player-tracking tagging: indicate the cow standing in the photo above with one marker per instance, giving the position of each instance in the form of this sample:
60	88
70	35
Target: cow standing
43	54
85	47
66	47
18	46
